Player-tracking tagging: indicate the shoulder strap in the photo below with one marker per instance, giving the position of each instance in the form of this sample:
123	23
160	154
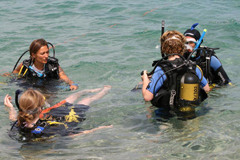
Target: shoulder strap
24	69
208	53
52	68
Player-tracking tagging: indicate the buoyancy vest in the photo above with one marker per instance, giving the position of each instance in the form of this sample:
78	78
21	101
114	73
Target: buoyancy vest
168	96
203	59
205	54
41	131
51	69
61	119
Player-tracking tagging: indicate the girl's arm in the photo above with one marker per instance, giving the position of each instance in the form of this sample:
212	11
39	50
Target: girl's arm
11	110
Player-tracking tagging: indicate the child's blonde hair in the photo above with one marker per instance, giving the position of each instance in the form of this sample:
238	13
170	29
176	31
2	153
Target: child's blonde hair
29	106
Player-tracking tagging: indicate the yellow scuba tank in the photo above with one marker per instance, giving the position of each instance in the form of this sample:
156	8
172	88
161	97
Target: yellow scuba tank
189	88
189	95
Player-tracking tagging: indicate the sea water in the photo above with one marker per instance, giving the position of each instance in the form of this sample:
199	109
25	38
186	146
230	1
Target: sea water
109	43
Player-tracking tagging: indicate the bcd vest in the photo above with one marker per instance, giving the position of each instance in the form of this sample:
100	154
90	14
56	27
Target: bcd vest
203	59
174	92
51	69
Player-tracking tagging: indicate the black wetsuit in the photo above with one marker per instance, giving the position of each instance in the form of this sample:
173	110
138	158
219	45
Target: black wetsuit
61	121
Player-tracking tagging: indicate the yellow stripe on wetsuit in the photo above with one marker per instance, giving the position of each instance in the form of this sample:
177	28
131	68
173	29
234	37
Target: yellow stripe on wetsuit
21	71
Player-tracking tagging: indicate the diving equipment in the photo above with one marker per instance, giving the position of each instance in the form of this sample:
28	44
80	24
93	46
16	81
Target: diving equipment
28	51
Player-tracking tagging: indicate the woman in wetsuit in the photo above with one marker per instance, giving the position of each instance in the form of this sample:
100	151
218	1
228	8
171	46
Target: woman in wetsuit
40	65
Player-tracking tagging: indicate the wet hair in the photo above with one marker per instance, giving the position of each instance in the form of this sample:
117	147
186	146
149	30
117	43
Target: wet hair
36	45
29	104
172	42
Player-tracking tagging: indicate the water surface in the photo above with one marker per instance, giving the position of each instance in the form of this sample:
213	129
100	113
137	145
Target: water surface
109	43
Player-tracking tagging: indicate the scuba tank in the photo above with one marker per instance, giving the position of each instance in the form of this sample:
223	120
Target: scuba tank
189	88
189	94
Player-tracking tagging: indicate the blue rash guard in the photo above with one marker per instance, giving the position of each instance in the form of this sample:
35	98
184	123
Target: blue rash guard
215	63
215	74
220	76
160	73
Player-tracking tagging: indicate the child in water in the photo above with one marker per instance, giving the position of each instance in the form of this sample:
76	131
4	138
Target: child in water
32	124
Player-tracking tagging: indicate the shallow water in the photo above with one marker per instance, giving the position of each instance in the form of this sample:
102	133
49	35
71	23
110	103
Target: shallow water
109	43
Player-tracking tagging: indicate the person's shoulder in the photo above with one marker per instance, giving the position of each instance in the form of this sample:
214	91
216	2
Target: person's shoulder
215	60
214	57
158	70
52	60
26	61
16	70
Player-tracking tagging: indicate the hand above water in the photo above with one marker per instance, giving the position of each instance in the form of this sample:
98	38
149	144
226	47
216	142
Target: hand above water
7	101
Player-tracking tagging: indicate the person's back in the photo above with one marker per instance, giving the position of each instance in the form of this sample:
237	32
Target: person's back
163	90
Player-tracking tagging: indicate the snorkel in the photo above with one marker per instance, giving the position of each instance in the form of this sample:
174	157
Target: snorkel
17	92
163	26
200	40
194	52
195	35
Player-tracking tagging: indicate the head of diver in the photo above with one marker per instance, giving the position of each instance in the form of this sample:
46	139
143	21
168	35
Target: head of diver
33	110
39	53
192	36
31	103
34	48
190	43
172	42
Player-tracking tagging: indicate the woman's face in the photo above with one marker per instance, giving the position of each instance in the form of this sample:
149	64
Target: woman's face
42	55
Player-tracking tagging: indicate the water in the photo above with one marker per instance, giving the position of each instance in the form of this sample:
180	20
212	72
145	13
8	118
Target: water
111	42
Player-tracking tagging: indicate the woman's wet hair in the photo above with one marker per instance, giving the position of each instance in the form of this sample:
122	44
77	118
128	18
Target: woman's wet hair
172	42
36	45
29	106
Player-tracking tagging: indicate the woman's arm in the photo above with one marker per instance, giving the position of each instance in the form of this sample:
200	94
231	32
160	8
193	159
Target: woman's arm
18	68
11	110
15	71
65	78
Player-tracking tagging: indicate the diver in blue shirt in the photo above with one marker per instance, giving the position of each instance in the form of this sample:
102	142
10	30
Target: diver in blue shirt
174	83
206	58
